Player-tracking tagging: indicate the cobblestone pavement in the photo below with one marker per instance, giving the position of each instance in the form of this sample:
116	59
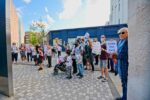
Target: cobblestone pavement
29	84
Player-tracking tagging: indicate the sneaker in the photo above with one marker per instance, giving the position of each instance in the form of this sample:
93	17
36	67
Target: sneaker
85	68
104	80
80	77
78	74
69	77
40	69
100	77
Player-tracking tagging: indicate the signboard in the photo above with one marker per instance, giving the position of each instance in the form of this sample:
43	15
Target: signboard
111	46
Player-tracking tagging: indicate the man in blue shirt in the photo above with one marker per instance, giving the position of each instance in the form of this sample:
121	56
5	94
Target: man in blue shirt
122	60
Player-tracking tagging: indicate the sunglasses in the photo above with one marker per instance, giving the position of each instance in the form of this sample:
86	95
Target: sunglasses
102	37
121	33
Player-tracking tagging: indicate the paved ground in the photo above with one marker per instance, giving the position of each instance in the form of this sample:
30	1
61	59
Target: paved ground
29	84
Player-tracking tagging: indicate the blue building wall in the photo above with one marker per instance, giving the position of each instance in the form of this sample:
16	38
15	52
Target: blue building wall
95	32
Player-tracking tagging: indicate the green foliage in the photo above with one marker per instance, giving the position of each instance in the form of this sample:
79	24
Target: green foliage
33	38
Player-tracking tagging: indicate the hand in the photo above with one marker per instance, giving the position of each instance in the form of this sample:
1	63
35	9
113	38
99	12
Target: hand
115	61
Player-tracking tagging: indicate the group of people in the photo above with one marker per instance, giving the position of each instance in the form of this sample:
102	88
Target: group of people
37	53
81	56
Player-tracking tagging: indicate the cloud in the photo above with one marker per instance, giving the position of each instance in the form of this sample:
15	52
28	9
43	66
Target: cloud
97	12
50	20
19	11
27	1
70	8
46	9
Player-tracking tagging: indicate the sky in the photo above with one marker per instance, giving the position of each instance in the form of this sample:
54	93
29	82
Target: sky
63	14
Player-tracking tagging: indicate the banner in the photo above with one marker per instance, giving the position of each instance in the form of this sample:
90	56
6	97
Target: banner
111	46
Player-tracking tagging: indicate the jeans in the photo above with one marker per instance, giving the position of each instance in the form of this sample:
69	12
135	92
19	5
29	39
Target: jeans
14	57
68	71
29	55
49	58
81	69
74	65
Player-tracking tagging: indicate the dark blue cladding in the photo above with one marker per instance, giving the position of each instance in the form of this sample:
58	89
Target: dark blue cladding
95	32
3	49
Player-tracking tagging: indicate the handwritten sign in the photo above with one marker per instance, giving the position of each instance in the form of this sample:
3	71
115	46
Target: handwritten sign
111	46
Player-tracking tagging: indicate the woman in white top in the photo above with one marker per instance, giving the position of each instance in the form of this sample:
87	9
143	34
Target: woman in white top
14	50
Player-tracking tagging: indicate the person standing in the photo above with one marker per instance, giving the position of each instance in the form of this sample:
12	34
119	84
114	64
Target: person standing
29	53
49	56
23	52
103	60
89	55
40	58
121	61
14	50
74	64
59	49
45	51
96	50
79	65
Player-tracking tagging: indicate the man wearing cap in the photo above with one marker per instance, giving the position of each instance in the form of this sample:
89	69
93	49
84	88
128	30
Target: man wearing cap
122	60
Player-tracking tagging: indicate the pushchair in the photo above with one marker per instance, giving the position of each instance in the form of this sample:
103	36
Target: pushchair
60	65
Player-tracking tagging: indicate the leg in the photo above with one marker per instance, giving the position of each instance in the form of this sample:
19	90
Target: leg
112	65
97	59
74	66
16	56
91	62
12	57
124	87
28	54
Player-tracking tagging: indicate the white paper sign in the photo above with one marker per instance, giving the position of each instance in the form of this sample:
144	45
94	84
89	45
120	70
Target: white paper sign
111	46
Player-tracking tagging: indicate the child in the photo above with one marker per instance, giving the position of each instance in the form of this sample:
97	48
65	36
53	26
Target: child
79	65
68	65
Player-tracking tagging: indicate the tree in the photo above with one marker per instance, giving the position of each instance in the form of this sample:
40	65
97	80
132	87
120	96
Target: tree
39	27
33	38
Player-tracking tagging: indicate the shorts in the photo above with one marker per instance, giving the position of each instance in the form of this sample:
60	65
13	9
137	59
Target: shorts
22	53
103	63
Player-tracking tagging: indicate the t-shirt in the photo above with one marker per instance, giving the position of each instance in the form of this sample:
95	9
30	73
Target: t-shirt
59	48
14	49
104	55
69	61
49	52
79	59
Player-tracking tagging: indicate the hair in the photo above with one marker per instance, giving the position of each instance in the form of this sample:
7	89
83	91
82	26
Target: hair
90	43
68	52
124	29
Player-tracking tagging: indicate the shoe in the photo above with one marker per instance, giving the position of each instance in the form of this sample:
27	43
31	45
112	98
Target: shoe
85	68
104	80
80	77
40	69
112	71
69	77
100	77
78	74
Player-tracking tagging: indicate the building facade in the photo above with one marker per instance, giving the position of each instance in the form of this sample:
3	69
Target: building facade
119	12
69	35
21	33
14	24
16	27
26	38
